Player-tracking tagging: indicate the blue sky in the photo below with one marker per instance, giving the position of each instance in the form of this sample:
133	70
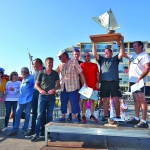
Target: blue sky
47	26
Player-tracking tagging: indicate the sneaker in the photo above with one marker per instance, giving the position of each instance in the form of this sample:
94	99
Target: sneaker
83	119
74	120
111	121
29	134
79	117
4	129
34	138
61	119
141	124
12	133
118	117
133	121
92	118
25	132
104	120
69	117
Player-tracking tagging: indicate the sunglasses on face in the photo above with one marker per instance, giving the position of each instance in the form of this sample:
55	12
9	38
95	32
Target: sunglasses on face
15	74
86	56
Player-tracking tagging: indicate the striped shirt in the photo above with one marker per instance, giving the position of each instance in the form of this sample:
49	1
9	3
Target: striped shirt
70	75
12	95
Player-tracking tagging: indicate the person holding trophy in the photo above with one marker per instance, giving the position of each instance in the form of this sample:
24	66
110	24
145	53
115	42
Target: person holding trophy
109	77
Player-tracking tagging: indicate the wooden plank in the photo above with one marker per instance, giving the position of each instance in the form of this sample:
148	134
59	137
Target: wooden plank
105	37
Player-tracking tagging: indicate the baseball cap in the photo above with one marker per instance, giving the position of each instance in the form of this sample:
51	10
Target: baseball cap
2	69
61	52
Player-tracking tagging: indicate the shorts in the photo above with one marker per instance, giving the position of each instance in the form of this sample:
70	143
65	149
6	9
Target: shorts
110	88
142	90
94	96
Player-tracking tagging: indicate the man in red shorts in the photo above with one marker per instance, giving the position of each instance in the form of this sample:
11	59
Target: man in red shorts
91	73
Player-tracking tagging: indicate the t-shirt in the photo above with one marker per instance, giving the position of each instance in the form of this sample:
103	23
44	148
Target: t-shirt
90	71
47	82
79	62
109	68
12	95
137	62
70	75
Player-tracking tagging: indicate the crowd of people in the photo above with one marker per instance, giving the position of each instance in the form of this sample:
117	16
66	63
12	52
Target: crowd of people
37	92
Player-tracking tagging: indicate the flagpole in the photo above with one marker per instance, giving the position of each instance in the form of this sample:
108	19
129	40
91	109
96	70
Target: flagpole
30	58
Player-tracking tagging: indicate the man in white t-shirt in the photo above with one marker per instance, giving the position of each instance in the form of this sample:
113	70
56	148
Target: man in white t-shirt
139	68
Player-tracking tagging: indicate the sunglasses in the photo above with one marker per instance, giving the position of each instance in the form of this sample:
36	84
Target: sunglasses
86	56
15	74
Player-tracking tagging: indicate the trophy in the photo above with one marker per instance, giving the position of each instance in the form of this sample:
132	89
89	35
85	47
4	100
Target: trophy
107	21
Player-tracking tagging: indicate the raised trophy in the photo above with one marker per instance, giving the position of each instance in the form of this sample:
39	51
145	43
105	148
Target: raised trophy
107	21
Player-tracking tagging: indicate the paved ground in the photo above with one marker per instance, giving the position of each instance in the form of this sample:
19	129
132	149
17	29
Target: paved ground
64	141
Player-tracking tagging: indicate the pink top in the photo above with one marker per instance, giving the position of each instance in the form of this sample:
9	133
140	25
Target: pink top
88	104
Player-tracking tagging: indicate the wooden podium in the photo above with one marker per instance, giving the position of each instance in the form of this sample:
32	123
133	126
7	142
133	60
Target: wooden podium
105	37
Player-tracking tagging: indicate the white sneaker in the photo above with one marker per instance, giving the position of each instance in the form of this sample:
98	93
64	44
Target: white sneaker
4	129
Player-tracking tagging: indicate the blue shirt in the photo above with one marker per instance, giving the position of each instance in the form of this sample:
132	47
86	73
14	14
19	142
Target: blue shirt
26	90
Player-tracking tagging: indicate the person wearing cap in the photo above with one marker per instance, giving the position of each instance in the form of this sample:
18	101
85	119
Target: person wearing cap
76	55
2	99
70	71
24	101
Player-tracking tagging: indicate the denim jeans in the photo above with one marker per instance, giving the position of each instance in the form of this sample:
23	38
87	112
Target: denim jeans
34	112
74	100
19	111
45	102
8	105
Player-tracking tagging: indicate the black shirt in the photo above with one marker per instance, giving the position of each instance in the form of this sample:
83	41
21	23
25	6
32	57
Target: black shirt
47	82
109	68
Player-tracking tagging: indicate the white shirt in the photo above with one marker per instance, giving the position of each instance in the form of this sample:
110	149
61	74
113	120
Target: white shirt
137	62
124	106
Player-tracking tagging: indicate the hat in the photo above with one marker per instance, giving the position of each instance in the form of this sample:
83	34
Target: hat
61	52
2	69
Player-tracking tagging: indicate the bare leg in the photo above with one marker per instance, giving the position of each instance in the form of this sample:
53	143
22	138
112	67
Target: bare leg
106	105
143	102
83	107
137	104
92	107
80	103
117	105
74	116
63	115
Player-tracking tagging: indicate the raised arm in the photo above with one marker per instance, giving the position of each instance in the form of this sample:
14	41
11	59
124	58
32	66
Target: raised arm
121	48
96	56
